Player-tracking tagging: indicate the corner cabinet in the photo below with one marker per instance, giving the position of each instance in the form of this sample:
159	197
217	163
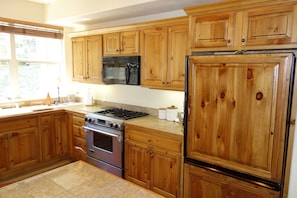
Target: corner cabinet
54	135
121	43
87	59
153	160
202	183
163	52
236	25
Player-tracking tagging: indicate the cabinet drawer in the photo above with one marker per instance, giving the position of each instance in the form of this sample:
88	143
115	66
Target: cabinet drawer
79	149
8	125
79	121
154	140
79	143
44	120
78	131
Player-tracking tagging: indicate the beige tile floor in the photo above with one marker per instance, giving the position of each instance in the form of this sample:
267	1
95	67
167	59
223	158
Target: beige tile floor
75	180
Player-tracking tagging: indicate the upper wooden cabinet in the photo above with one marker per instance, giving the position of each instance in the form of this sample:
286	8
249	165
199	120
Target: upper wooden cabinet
163	52
213	30
239	25
121	43
87	59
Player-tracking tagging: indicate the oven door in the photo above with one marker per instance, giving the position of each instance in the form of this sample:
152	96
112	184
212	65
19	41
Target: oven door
105	144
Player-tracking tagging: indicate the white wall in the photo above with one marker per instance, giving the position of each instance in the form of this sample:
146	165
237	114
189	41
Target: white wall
22	10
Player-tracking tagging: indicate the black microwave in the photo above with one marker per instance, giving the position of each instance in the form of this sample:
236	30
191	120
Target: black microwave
121	70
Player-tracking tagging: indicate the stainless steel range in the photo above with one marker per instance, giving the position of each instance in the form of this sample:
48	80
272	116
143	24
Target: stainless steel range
105	138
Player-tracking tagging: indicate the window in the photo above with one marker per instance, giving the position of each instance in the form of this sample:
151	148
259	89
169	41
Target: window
30	66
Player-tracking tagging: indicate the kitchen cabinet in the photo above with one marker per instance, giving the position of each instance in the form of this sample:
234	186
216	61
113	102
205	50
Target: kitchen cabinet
4	161
78	147
54	135
121	43
233	25
87	59
202	183
163	52
61	134
47	137
19	142
237	112
153	160
211	31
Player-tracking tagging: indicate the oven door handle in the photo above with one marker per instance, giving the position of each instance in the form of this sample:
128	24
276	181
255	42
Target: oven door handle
105	133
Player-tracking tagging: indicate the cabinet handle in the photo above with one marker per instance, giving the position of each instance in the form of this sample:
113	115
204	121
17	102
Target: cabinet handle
79	148
228	41
292	122
14	134
243	40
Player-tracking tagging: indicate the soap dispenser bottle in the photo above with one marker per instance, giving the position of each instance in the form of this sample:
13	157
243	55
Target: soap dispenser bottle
48	99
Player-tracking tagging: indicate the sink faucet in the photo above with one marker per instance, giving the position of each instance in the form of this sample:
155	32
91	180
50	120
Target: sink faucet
58	101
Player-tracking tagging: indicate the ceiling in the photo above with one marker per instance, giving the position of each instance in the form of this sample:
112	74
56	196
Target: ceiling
112	10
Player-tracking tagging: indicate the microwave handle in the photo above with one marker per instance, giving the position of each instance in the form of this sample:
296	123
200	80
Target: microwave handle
127	72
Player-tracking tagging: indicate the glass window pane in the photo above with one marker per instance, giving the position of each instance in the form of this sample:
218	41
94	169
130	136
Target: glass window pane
36	79
4	80
38	48
4	46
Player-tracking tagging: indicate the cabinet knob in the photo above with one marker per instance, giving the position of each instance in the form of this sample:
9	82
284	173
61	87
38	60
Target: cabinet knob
228	41
243	40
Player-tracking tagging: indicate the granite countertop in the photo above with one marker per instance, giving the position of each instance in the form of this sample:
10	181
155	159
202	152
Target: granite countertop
152	122
75	180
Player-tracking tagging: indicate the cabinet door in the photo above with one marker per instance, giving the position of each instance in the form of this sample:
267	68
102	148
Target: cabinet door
24	147
201	183
78	58
270	26
94	58
216	30
111	43
47	137
178	48
61	140
165	172
154	57
4	165
137	163
237	112
129	42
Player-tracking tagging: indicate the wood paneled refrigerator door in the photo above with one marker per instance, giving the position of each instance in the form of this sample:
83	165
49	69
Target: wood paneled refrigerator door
237	111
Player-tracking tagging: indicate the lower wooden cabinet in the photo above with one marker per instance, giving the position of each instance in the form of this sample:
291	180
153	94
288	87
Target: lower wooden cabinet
202	183
78	137
54	135
153	160
19	144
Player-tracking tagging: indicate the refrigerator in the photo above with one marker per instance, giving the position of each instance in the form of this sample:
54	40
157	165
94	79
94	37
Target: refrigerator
237	115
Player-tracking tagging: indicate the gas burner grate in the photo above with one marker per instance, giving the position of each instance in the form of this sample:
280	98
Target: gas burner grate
121	113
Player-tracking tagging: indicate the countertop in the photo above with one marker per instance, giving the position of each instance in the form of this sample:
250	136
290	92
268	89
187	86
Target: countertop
151	122
75	180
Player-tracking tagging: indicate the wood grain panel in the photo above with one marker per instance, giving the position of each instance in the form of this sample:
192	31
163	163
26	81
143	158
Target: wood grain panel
238	108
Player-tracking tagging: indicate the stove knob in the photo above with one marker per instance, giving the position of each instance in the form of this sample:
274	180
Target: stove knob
116	126
111	124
